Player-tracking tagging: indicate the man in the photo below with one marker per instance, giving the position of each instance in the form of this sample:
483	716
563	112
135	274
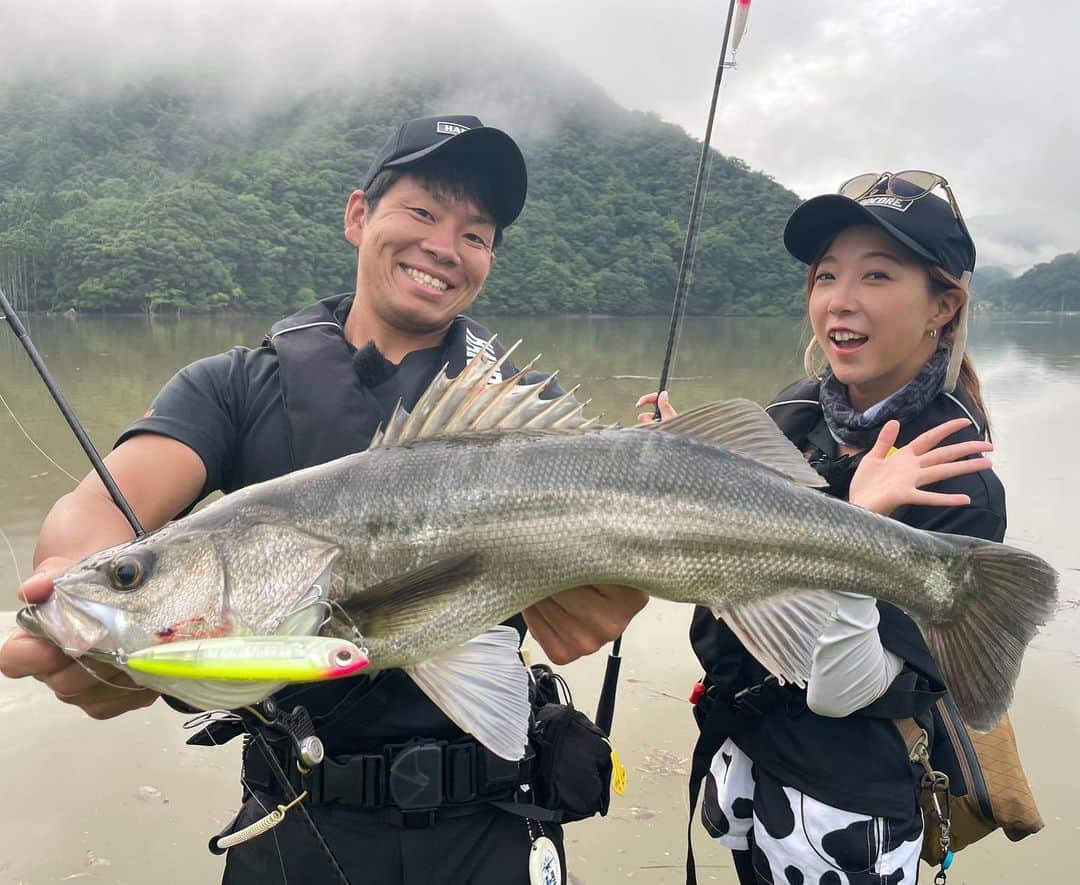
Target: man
426	224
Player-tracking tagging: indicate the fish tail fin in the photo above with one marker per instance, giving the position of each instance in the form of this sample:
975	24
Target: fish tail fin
1009	596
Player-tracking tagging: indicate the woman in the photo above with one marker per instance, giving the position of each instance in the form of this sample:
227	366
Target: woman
816	786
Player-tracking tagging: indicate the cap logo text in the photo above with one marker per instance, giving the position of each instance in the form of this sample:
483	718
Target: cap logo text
444	128
888	201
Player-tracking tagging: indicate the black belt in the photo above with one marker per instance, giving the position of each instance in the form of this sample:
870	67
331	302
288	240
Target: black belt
411	780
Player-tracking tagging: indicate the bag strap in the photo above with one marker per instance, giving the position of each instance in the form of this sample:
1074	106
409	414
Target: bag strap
911	733
935	787
714	730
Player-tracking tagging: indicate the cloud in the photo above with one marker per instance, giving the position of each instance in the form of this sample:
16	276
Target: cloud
979	90
982	91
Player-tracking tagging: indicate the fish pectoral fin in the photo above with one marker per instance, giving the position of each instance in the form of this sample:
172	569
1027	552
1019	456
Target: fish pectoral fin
782	631
398	602
483	687
743	427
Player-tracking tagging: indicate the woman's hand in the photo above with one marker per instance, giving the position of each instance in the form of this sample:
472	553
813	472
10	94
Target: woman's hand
885	481
651	399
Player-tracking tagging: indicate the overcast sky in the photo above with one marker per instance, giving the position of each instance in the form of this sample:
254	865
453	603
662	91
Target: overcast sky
982	91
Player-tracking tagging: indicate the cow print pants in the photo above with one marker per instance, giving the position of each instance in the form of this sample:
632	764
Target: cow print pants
795	839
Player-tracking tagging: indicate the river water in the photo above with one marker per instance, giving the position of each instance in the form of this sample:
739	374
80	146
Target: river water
125	801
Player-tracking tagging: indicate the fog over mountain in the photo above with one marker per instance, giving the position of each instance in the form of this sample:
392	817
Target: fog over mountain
980	90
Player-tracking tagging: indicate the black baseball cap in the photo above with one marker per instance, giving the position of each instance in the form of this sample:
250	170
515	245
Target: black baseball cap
490	151
924	223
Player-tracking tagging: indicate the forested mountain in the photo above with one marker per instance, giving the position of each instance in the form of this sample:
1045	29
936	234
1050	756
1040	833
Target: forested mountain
1053	285
986	277
157	197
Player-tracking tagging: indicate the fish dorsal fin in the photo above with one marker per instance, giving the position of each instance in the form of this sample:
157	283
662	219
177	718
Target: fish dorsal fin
474	402
483	687
782	631
743	427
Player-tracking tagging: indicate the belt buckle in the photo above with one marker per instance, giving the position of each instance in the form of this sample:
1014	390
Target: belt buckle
757	698
460	771
415	777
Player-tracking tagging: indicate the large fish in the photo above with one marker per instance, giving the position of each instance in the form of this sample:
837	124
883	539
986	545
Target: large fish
488	498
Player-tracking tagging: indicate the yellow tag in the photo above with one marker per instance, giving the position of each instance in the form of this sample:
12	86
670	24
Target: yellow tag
892	451
618	774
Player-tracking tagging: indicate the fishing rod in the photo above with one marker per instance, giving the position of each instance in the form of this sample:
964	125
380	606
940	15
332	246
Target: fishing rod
69	415
605	708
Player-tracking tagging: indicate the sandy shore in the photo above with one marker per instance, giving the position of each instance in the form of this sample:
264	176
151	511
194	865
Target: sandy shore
126	802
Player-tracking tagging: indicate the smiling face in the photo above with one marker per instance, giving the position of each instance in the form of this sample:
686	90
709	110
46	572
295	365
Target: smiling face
872	310
423	257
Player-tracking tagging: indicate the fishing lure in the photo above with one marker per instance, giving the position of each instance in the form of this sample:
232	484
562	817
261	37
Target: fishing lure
251	659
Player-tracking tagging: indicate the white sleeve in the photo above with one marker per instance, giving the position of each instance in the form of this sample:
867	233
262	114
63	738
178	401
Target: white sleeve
851	668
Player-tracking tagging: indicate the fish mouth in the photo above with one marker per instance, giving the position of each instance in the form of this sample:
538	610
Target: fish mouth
26	618
73	624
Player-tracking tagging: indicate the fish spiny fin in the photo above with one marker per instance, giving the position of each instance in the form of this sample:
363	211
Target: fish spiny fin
1012	593
397	603
743	427
782	631
474	402
444	405
443	399
483	687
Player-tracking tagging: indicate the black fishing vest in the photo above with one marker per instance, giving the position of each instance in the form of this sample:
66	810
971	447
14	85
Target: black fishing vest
335	398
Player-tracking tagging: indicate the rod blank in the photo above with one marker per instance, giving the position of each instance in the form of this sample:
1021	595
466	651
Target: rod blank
69	415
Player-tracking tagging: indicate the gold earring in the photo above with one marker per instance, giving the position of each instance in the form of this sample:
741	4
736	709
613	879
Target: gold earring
933	333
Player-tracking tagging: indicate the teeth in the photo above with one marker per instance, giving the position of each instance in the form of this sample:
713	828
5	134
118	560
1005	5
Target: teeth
426	279
842	335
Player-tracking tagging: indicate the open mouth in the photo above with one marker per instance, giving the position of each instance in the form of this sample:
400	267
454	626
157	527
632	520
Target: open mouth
434	284
847	341
67	623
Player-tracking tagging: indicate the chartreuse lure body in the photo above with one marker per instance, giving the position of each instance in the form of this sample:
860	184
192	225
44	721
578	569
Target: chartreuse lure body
252	659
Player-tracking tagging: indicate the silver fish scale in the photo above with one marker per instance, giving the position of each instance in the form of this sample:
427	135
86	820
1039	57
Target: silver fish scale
541	512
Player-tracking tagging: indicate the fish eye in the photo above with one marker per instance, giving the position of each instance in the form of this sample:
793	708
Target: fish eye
126	574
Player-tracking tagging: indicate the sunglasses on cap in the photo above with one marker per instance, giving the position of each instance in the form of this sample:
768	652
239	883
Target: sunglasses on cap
911	184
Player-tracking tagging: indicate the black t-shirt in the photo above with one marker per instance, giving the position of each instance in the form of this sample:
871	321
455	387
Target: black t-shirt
229	408
857	762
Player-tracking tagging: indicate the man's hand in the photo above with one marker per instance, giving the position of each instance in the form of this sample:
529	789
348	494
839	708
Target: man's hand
885	481
579	621
27	655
